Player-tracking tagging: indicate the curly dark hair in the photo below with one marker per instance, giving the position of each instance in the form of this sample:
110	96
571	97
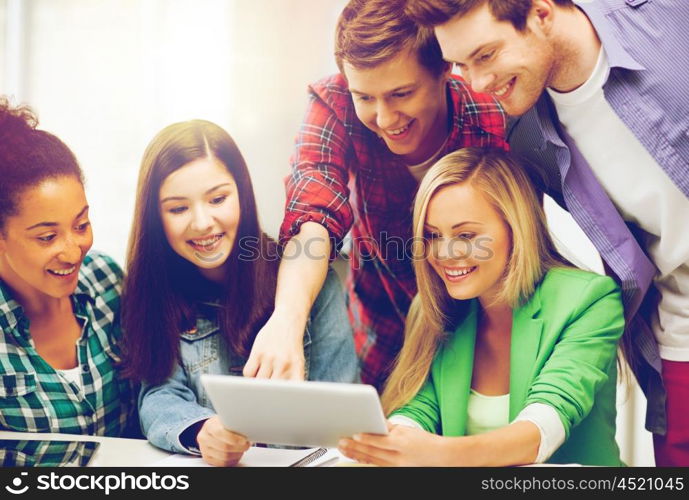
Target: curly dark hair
28	156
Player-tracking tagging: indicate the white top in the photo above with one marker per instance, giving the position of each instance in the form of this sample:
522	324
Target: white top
73	375
419	170
642	193
487	413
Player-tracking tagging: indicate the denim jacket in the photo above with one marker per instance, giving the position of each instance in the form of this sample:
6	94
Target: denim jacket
167	409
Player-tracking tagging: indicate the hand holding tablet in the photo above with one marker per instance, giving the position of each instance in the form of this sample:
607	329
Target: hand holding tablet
295	413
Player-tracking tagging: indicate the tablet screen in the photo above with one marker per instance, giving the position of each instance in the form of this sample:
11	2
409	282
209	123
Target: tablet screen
46	453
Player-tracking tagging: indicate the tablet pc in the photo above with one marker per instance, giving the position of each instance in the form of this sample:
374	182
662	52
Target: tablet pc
294	413
46	453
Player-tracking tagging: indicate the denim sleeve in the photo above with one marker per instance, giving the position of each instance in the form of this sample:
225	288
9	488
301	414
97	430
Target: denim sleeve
331	352
167	409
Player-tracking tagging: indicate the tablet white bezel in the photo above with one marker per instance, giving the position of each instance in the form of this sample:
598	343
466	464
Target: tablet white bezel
298	413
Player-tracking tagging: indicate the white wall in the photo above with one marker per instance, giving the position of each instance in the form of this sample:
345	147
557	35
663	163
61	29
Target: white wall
106	75
3	9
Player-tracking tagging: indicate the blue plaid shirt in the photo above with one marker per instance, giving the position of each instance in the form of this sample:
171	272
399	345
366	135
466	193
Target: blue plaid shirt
34	397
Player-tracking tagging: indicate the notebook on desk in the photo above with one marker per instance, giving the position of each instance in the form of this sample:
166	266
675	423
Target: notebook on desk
295	413
266	457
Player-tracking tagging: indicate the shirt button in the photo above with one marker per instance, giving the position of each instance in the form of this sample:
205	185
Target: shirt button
85	368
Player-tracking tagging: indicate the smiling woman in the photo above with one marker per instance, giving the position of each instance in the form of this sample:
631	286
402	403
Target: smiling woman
200	219
509	352
59	305
201	277
39	261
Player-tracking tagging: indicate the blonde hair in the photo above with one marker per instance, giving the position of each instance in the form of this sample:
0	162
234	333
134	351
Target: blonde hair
500	177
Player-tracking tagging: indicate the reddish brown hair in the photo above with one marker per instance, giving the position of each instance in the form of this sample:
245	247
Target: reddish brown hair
371	32
431	13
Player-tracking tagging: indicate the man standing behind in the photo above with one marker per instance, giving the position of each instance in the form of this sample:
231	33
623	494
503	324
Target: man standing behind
601	91
369	135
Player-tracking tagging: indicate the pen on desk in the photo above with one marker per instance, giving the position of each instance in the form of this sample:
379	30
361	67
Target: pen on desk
303	462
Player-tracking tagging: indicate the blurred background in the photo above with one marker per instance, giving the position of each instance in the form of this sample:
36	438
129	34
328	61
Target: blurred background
106	75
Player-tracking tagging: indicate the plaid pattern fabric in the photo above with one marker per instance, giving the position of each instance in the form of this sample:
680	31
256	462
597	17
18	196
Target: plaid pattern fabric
34	397
41	453
345	178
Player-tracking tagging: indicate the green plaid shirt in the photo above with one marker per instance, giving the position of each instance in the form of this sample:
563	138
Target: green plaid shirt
36	398
32	453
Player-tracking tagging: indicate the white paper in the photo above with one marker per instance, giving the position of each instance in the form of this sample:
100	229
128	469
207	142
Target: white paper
257	457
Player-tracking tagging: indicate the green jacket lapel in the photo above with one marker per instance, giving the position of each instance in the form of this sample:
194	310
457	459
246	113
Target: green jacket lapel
526	339
454	375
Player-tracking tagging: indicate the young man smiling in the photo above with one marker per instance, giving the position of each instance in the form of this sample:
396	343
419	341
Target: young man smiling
369	135
600	88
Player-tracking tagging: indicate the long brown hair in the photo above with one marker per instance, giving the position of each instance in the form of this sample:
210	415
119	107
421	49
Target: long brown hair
161	288
506	185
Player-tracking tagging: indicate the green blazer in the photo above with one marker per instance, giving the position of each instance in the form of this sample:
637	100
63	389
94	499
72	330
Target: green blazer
563	354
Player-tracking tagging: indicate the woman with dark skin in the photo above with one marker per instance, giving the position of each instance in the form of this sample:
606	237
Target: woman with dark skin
59	303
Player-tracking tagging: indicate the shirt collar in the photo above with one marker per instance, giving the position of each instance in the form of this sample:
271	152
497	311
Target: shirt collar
617	56
542	117
11	312
85	290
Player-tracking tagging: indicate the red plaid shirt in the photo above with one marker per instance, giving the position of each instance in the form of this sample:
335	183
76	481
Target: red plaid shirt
345	178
